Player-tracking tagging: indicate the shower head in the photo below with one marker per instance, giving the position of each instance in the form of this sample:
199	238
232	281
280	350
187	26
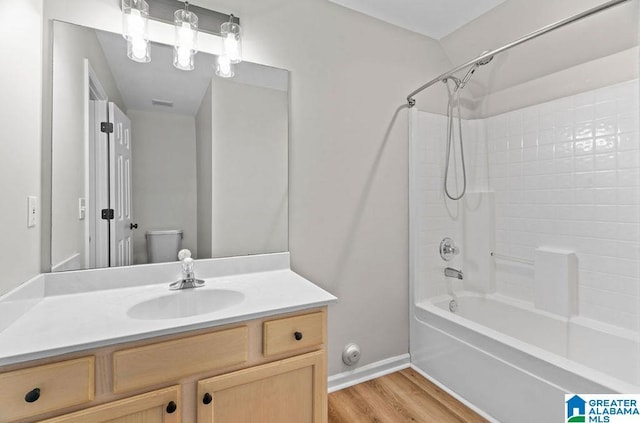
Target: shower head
460	83
473	68
485	60
467	77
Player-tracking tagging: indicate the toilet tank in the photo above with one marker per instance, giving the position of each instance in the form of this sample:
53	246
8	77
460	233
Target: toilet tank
163	246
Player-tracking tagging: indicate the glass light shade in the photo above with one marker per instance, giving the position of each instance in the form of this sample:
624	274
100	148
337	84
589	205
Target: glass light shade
224	68
186	37
135	18
231	34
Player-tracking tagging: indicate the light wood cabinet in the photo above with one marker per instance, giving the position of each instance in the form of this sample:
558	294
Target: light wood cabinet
293	333
139	367
162	406
39	389
292	390
269	370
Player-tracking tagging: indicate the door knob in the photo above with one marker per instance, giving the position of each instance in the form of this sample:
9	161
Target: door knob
133	226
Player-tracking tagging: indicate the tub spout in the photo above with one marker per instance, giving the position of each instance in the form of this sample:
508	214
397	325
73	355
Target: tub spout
453	273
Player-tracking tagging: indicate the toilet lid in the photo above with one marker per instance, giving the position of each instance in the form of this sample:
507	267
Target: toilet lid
166	232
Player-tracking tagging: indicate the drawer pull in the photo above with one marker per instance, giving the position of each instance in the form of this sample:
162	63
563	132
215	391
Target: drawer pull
207	398
32	396
298	336
171	407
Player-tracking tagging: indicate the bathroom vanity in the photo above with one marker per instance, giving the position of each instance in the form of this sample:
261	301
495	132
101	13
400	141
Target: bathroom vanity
142	353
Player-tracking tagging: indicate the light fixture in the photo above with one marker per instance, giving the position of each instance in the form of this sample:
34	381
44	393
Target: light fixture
187	23
185	49
135	14
224	68
231	34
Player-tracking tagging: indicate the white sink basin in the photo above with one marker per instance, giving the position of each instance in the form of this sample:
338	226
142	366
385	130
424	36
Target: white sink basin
185	303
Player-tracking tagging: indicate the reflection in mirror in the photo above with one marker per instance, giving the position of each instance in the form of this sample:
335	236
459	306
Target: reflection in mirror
148	159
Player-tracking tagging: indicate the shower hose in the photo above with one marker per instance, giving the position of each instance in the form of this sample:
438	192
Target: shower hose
454	102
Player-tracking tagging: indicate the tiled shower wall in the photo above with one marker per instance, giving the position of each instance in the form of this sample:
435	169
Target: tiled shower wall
435	216
565	174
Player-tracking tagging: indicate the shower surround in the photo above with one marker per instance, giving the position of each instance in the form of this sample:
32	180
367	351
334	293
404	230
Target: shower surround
558	176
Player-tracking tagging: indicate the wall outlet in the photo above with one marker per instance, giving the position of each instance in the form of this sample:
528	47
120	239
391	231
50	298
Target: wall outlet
351	354
32	211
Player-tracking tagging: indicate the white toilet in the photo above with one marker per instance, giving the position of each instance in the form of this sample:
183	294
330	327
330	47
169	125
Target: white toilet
163	246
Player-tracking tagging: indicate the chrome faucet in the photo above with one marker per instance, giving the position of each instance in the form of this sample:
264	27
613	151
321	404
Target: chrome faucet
188	275
450	272
448	249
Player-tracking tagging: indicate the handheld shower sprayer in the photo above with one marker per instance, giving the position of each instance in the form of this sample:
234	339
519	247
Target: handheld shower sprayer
472	70
454	102
468	76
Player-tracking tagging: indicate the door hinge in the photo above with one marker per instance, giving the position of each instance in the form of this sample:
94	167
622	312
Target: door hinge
107	214
106	127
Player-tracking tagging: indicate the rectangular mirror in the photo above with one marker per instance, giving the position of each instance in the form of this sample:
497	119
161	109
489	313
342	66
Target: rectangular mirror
148	159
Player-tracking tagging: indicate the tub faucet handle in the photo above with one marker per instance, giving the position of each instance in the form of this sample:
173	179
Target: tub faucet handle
448	249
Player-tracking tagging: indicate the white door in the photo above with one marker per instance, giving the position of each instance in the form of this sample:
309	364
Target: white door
99	187
120	231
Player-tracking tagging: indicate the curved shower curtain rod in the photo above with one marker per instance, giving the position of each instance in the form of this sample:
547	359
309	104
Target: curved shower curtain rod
484	57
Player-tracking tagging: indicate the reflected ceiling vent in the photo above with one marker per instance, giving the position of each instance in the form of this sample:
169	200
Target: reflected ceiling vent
163	103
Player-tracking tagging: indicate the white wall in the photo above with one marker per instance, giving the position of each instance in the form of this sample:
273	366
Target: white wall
348	167
555	65
249	180
204	169
20	132
71	45
436	216
164	177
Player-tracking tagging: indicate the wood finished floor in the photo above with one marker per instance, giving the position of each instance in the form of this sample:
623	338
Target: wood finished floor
399	397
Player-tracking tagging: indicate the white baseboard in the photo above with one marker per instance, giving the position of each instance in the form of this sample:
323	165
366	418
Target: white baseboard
455	395
368	372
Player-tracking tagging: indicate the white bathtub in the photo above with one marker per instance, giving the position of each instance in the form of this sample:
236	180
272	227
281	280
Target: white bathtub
515	362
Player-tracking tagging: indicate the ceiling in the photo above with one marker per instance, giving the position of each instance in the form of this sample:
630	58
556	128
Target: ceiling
433	18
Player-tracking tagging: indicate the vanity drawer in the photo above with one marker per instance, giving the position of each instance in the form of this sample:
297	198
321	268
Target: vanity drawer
49	387
163	405
293	333
172	360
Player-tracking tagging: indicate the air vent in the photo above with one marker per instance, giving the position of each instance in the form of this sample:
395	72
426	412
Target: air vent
164	103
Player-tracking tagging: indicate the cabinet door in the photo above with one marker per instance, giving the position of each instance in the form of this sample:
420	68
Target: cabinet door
287	391
162	406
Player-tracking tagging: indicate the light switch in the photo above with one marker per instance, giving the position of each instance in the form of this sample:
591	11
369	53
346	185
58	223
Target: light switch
82	208
32	211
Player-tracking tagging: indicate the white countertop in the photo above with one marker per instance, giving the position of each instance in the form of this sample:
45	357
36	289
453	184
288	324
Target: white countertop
76	321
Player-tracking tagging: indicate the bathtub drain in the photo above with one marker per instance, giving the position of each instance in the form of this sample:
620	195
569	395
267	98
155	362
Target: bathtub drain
453	306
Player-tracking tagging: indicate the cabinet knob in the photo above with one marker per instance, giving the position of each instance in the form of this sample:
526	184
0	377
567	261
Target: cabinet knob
298	336
171	407
207	398
33	395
